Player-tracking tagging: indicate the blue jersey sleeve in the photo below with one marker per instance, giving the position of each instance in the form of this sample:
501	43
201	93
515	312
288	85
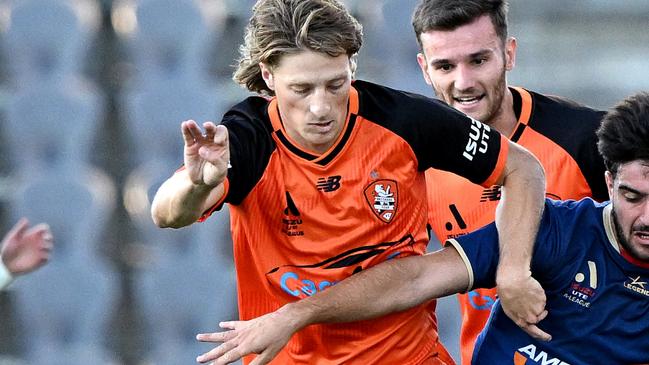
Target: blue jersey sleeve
480	249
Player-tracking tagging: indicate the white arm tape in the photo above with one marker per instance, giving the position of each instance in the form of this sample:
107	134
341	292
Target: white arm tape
5	275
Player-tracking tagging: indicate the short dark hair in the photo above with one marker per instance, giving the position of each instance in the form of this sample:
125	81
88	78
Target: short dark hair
451	14
624	133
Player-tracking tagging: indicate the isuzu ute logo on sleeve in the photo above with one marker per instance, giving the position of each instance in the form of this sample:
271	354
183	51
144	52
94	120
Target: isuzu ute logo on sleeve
477	140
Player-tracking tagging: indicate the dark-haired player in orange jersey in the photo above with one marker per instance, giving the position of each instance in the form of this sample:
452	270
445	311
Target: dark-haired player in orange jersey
325	178
465	54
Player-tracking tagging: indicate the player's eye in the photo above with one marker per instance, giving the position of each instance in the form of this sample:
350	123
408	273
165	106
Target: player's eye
335	87
480	61
301	90
632	197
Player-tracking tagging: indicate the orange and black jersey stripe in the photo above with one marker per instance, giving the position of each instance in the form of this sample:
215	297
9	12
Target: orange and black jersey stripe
302	222
561	134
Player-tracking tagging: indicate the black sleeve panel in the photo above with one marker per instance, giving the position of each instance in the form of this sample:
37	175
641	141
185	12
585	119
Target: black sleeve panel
251	144
572	126
440	136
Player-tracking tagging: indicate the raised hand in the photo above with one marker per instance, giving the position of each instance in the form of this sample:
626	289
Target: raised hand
25	249
207	155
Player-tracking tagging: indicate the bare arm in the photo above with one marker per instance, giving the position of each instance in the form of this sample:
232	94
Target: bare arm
183	198
389	287
517	217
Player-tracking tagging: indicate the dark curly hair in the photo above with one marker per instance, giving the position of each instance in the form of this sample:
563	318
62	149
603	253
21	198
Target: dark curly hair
624	133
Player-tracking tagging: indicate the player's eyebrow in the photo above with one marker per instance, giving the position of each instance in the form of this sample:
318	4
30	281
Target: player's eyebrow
299	83
437	62
631	190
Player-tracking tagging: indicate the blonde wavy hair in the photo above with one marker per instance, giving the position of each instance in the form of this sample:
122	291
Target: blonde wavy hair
280	27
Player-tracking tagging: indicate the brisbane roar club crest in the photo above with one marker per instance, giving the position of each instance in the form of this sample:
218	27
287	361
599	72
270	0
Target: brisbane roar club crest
383	198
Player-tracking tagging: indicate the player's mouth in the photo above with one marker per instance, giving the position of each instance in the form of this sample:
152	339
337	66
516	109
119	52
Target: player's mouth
468	101
321	126
642	236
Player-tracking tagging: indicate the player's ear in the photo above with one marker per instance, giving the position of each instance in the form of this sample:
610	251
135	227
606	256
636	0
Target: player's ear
510	53
267	75
423	65
608	176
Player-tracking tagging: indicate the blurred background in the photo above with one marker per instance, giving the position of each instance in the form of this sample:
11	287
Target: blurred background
92	93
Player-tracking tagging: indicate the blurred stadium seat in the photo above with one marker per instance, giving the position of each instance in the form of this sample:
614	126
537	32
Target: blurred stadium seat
66	307
185	276
153	114
168	38
48	38
189	277
53	125
189	282
169	41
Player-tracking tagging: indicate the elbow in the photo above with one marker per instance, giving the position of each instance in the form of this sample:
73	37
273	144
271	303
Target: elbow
164	219
159	219
526	168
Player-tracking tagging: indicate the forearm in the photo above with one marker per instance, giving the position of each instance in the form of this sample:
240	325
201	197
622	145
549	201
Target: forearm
179	202
519	213
392	286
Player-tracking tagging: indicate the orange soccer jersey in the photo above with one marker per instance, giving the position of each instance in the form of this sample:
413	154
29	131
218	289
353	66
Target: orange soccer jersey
561	134
303	222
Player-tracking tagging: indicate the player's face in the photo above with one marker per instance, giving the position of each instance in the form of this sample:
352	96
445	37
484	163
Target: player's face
629	193
467	67
312	91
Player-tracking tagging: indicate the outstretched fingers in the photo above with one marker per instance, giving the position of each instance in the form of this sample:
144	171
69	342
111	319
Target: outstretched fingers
226	352
216	336
221	354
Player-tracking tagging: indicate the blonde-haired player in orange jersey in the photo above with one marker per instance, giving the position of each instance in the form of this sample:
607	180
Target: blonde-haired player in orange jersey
324	177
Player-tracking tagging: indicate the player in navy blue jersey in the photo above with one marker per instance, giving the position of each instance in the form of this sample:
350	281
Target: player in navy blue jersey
591	258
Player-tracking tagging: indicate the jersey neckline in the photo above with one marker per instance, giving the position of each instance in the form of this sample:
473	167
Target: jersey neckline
609	227
334	150
523	105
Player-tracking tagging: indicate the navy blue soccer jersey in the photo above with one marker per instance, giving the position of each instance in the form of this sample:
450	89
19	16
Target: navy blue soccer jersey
597	300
